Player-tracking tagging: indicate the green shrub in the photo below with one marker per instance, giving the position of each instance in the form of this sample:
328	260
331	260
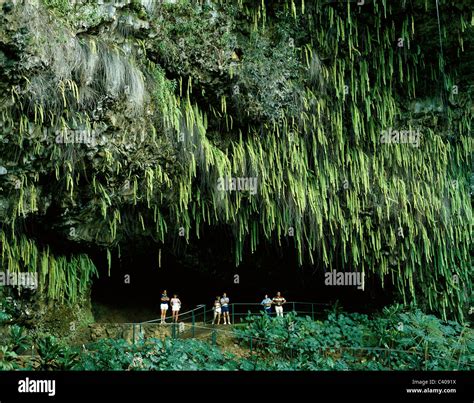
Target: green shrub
18	339
7	359
154	354
394	339
53	355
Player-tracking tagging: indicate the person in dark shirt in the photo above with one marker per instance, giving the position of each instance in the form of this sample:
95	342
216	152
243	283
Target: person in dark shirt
164	306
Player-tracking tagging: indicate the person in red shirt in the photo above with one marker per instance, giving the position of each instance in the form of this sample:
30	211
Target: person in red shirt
279	301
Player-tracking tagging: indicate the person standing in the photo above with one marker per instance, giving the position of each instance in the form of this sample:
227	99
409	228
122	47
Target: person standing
217	310
279	301
164	306
225	308
267	305
175	307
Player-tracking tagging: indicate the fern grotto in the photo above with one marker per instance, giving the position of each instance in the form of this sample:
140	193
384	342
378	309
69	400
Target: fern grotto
322	149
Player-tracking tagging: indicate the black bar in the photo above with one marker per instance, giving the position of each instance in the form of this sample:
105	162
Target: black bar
289	386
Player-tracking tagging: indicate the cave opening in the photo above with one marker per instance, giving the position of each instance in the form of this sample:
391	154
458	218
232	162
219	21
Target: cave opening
201	269
205	268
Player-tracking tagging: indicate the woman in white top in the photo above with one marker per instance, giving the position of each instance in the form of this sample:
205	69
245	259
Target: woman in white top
217	310
175	307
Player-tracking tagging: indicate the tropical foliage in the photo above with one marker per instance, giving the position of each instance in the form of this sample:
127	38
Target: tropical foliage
396	339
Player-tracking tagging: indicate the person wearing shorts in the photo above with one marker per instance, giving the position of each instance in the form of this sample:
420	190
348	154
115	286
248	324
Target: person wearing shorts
279	301
267	305
164	306
175	307
217	310
225	308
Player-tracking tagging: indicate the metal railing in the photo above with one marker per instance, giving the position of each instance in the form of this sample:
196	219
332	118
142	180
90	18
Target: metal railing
242	309
237	310
311	309
192	315
200	319
255	344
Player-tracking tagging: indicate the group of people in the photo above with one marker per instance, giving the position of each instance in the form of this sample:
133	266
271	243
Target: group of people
278	301
221	307
175	303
